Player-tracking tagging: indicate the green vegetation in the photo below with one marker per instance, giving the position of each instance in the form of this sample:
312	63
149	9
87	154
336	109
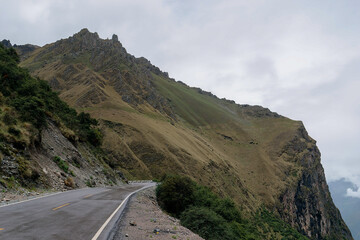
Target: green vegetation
61	164
176	194
9	183
212	217
197	109
35	102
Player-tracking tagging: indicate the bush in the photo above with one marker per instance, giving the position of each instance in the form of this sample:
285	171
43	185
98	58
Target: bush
69	182
213	217
94	136
175	194
207	223
9	119
32	109
227	209
14	131
61	164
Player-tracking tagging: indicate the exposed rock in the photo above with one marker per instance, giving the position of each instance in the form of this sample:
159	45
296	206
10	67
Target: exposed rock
35	166
131	77
115	38
24	50
308	205
9	166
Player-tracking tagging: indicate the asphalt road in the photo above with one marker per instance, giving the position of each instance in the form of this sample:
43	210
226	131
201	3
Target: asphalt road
77	214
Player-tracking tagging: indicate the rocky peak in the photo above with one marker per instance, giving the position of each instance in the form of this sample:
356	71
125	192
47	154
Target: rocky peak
115	38
87	38
22	50
6	43
85	32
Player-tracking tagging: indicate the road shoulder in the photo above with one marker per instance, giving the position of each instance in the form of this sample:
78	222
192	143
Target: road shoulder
142	216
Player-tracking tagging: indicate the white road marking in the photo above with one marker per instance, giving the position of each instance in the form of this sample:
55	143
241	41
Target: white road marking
113	214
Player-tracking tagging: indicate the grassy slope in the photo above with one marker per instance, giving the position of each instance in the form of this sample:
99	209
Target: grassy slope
235	150
196	109
192	146
255	164
141	142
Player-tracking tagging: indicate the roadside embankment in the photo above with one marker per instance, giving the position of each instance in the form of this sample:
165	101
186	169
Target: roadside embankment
143	219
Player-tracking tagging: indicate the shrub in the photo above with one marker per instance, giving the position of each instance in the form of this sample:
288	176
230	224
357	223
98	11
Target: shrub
94	136
227	209
207	223
9	119
69	182
175	194
14	131
61	164
213	217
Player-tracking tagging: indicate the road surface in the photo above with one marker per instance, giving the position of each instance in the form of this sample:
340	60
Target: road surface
77	214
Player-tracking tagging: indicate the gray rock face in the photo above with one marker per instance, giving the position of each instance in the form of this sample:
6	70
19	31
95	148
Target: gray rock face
308	205
115	38
24	50
9	166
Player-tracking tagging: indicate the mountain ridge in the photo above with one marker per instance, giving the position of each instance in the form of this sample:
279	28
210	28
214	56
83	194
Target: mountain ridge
153	125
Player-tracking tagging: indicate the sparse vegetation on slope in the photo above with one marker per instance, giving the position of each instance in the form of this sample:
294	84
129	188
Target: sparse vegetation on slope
38	132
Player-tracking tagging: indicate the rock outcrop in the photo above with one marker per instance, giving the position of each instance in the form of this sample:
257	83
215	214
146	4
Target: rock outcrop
307	205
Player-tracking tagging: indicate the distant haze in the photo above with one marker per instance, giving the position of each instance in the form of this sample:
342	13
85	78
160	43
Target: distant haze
298	58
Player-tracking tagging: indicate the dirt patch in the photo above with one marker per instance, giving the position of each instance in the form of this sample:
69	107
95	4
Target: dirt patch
143	219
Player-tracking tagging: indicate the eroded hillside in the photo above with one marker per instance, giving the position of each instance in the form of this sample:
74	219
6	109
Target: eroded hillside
44	144
153	125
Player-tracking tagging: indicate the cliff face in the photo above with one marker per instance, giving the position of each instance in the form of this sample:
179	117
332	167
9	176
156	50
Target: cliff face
154	125
307	205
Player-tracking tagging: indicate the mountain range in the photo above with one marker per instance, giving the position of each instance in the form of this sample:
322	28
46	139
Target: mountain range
153	125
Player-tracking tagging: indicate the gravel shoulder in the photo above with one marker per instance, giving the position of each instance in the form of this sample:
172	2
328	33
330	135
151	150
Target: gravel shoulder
14	196
143	215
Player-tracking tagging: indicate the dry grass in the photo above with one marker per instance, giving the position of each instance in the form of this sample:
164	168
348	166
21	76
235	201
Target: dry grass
69	182
247	168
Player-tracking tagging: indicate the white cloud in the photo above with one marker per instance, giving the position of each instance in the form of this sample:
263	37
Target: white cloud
353	192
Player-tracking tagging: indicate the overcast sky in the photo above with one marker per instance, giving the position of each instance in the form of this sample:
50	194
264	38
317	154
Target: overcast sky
298	58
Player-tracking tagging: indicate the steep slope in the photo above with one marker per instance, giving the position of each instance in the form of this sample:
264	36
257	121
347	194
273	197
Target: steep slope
154	125
34	152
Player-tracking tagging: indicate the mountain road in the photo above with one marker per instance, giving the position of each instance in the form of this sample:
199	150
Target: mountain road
88	213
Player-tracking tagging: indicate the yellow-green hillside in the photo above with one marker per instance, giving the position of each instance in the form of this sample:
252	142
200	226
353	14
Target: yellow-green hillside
153	125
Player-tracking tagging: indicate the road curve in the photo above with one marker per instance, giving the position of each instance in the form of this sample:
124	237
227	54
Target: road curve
77	214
